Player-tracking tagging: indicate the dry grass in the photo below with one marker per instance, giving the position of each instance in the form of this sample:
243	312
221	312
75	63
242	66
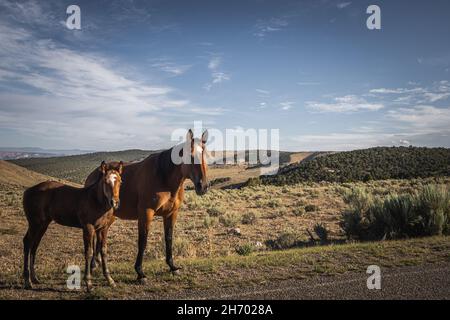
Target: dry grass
203	243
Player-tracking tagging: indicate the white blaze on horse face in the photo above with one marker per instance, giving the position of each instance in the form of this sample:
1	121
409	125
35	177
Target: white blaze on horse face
198	153
112	179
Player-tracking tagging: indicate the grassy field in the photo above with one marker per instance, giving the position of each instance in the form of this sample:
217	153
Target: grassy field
201	274
212	235
227	237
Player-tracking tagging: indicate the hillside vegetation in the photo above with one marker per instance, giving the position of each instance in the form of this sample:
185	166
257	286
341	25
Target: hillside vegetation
379	163
11	174
77	168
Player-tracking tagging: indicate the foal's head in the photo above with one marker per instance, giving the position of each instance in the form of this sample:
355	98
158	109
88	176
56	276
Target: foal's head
196	168
111	181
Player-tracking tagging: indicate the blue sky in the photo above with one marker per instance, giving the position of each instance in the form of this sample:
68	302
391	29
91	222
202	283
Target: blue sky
137	70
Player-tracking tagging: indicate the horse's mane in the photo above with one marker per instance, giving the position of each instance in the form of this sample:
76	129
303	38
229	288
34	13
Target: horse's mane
165	163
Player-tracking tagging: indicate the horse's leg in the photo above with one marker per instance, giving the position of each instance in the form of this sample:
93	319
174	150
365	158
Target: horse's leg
36	241
169	223
144	219
88	235
96	259
102	237
26	258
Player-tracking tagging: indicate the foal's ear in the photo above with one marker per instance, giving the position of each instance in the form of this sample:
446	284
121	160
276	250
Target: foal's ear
205	136
103	167
120	169
189	136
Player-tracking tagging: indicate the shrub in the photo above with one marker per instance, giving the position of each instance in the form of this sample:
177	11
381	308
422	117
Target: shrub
322	232
181	247
255	181
311	208
209	221
229	219
298	211
284	241
245	249
424	213
249	217
215	212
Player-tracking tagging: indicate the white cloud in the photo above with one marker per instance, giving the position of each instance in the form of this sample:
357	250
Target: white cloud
345	104
264	27
217	75
286	105
424	118
66	97
171	68
342	5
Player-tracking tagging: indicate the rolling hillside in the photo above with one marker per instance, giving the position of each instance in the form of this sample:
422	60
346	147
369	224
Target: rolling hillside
76	168
11	174
368	164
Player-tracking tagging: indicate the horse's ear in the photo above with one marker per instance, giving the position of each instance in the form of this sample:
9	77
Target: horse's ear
103	167
120	167
205	136
189	136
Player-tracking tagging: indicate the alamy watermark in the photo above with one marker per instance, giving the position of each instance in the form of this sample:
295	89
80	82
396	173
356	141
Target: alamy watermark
233	146
73	282
374	280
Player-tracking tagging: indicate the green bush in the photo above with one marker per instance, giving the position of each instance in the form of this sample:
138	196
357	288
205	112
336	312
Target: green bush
229	219
322	232
245	250
311	208
249	217
284	241
298	211
209	221
424	213
215	212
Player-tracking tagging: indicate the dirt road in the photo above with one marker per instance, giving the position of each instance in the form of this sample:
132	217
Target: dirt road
414	282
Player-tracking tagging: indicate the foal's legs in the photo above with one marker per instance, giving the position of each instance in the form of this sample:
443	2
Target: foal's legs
144	219
169	223
96	259
102	236
34	246
88	235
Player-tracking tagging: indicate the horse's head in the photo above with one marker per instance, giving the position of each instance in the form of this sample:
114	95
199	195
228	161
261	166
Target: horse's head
111	181
195	165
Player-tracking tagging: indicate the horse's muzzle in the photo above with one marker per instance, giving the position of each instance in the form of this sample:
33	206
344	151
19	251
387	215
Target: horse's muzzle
201	189
115	204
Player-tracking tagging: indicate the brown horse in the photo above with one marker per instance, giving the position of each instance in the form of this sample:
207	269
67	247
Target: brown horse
89	208
154	186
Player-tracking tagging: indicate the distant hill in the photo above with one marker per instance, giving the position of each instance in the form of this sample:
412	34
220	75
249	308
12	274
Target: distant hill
10	153
76	168
368	164
11	174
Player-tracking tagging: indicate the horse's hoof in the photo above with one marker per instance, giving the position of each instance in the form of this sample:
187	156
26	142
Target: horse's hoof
142	280
28	285
35	280
175	270
111	283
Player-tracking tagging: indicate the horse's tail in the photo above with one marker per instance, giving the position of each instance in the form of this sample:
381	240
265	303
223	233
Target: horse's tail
27	203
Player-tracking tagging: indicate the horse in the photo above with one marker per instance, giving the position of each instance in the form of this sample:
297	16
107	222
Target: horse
89	208
155	186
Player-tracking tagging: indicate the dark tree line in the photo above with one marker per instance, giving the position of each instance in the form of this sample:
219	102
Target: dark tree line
369	164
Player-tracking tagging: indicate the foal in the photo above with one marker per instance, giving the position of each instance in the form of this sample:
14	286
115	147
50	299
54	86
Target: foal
90	208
